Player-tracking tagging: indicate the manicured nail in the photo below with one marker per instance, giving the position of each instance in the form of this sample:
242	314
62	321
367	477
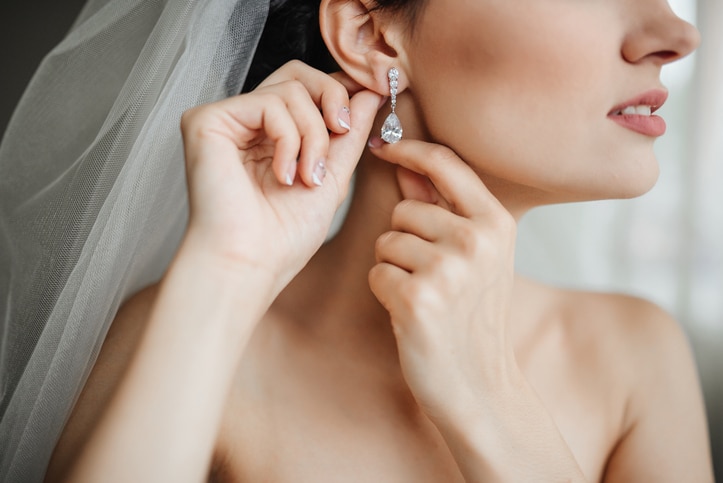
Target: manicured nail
375	142
345	118
290	173
319	173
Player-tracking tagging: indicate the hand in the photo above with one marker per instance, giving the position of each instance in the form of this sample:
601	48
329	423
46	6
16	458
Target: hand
251	201
445	273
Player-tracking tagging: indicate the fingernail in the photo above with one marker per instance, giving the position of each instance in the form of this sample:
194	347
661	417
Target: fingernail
375	142
382	102
345	118
290	173
319	173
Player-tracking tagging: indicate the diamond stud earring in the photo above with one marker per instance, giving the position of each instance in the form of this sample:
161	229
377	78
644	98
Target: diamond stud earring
392	128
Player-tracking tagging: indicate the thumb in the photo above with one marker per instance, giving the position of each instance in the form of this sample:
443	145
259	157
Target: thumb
346	149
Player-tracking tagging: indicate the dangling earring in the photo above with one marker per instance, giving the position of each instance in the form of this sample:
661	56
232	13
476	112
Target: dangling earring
392	128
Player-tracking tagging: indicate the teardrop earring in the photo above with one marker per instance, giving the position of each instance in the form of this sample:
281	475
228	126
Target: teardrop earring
392	128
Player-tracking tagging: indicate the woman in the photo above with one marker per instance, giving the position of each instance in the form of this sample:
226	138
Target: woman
406	349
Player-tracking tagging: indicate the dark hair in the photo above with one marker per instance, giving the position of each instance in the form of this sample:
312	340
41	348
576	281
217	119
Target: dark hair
292	32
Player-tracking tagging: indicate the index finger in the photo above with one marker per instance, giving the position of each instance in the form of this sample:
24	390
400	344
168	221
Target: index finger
328	91
455	181
345	151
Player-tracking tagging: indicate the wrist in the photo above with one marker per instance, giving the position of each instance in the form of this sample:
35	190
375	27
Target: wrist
240	262
231	295
475	413
494	381
488	436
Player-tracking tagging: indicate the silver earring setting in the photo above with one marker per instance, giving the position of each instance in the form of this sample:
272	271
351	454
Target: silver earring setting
392	128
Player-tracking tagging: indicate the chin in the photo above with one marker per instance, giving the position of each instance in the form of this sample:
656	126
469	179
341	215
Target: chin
635	192
619	185
642	179
625	174
630	185
629	188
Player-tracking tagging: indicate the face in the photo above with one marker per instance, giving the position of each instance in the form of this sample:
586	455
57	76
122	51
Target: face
529	92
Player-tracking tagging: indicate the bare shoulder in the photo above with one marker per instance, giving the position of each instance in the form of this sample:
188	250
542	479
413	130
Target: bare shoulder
639	340
664	435
620	330
639	330
120	342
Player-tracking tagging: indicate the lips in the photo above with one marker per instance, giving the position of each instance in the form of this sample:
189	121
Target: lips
637	113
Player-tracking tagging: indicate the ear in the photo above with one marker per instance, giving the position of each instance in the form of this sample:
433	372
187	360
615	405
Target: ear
365	44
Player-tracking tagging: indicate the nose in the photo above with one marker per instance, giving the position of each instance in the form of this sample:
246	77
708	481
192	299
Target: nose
658	35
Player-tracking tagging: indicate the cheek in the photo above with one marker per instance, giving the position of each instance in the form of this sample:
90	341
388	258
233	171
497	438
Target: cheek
524	96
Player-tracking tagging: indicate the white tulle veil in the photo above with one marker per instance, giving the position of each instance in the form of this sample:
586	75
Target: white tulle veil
92	192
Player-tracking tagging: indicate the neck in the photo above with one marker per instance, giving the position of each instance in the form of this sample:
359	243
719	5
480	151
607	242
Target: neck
330	297
330	301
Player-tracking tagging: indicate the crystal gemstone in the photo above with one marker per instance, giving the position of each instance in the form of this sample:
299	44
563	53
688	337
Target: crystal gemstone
392	129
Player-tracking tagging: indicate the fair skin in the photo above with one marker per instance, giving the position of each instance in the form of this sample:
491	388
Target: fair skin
406	349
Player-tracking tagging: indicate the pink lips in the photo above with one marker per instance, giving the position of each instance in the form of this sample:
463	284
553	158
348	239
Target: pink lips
653	126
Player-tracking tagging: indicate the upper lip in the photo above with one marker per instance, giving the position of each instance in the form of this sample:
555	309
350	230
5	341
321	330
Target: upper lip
654	98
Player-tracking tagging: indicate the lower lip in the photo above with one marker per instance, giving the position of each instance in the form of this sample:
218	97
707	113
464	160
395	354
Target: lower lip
648	125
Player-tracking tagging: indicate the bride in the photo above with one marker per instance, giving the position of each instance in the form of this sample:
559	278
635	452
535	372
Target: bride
405	349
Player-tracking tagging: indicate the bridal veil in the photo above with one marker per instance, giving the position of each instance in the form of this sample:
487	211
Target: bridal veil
92	192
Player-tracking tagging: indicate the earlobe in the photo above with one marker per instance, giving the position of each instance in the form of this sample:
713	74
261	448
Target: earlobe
361	42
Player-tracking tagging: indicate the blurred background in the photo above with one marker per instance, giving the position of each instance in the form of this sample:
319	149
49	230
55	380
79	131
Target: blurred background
666	246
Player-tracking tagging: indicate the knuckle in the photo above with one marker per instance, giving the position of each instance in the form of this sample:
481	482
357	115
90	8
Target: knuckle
294	65
275	105
375	273
448	274
400	211
383	241
468	239
315	145
476	241
444	265
335	88
271	100
418	298
504	223
436	258
192	121
413	294
295	88
187	119
189	116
